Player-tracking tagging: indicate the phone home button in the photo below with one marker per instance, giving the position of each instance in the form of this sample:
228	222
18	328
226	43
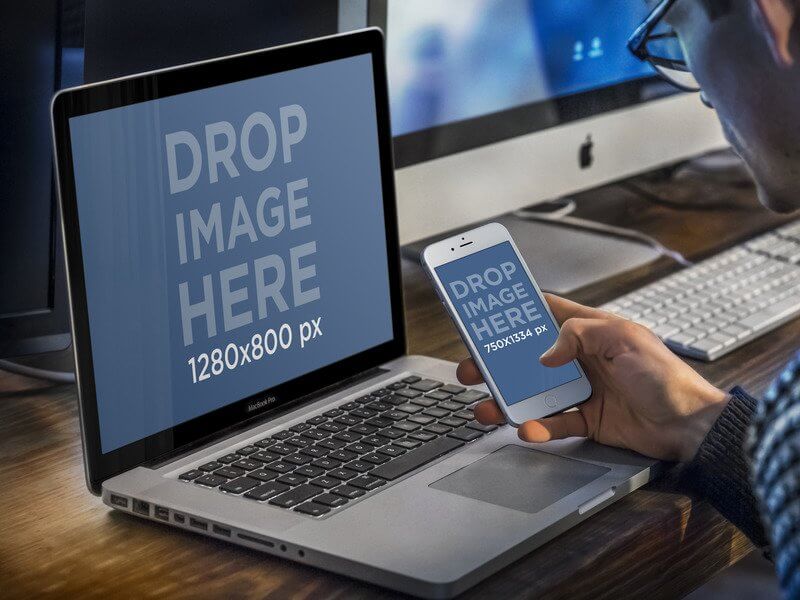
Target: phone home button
550	401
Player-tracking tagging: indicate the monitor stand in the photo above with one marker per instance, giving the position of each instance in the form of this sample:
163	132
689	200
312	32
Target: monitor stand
565	253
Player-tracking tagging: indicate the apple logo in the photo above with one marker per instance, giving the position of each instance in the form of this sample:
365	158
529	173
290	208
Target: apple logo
586	156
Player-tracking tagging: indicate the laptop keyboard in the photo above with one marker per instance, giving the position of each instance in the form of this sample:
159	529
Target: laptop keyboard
320	465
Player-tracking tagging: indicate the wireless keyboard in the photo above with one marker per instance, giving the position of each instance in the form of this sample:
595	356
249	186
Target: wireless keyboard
713	308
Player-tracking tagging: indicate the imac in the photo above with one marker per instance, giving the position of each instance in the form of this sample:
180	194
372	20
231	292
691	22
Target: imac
501	104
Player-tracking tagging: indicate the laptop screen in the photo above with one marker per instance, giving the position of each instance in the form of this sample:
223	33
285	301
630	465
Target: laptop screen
233	239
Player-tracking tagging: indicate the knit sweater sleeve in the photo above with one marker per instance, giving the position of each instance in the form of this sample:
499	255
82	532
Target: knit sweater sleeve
775	455
720	471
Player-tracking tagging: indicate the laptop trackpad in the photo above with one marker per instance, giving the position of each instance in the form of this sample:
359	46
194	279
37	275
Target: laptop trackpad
520	478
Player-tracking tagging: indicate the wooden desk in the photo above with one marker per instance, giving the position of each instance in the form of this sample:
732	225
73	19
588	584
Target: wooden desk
58	540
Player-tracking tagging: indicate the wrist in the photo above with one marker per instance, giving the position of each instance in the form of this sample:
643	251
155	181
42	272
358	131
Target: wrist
708	405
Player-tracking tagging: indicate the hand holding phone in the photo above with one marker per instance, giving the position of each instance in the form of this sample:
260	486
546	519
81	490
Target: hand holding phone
505	322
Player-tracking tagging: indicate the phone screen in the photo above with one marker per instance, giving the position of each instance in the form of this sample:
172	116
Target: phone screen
506	320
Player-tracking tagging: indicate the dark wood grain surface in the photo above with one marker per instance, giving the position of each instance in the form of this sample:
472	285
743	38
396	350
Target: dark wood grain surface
57	540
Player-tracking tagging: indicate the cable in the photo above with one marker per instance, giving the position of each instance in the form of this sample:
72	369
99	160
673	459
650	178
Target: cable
54	376
583	224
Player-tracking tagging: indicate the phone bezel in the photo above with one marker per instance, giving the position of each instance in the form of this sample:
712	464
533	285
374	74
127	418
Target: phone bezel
462	245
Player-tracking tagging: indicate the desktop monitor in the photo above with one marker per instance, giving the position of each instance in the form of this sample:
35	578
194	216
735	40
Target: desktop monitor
500	104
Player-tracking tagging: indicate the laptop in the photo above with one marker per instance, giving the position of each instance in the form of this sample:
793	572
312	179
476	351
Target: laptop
237	312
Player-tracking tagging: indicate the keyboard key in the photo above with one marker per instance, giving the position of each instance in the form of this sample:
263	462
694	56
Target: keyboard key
247	450
360	466
452	422
408	393
308	471
470	396
282	449
210	480
264	456
392	451
395	400
451	389
396	386
392	433
343	455
425	402
363	429
280	467
343	474
296	459
365	399
325	482
412	379
379	422
230	472
210	466
263	474
347	420
319	420
296	496
266	491
438	395
379	406
437	428
367	482
247	464
229	458
411	409
330	500
423	436
451	406
483	428
314	452
407	444
315	434
282	435
359	448
349	406
313	509
300	427
291	479
331	444
465	434
375	458
193	474
334	412
349	492
408	426
374	440
464	414
240	485
347	436
363	413
421	419
265	443
436	412
299	442
381	392
326	463
331	427
426	385
416	458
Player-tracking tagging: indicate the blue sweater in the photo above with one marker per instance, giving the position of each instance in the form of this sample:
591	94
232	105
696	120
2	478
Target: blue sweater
748	467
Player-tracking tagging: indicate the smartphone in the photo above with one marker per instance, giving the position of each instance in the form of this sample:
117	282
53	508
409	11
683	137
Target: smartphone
505	322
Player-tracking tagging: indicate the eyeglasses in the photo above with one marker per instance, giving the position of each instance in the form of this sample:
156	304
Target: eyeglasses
655	42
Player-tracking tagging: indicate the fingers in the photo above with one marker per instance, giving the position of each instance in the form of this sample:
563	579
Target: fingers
488	413
558	427
589	337
564	309
468	373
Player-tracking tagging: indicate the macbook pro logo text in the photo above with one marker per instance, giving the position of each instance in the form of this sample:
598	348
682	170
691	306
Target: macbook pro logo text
258	405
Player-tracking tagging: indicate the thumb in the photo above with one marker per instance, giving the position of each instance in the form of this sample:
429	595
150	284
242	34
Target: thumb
577	336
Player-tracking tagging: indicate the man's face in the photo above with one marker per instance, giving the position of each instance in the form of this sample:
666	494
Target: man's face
757	99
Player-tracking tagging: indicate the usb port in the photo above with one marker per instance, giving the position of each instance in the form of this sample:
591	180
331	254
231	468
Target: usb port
179	518
221	530
198	523
161	513
120	501
141	507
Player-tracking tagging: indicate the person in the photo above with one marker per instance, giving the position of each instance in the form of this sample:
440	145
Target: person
742	454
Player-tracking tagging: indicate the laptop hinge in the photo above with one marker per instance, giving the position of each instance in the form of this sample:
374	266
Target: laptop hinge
264	417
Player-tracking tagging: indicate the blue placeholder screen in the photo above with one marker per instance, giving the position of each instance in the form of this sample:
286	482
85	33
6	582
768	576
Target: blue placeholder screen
506	321
233	239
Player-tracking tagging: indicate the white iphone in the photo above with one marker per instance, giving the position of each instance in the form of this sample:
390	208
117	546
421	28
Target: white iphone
505	322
